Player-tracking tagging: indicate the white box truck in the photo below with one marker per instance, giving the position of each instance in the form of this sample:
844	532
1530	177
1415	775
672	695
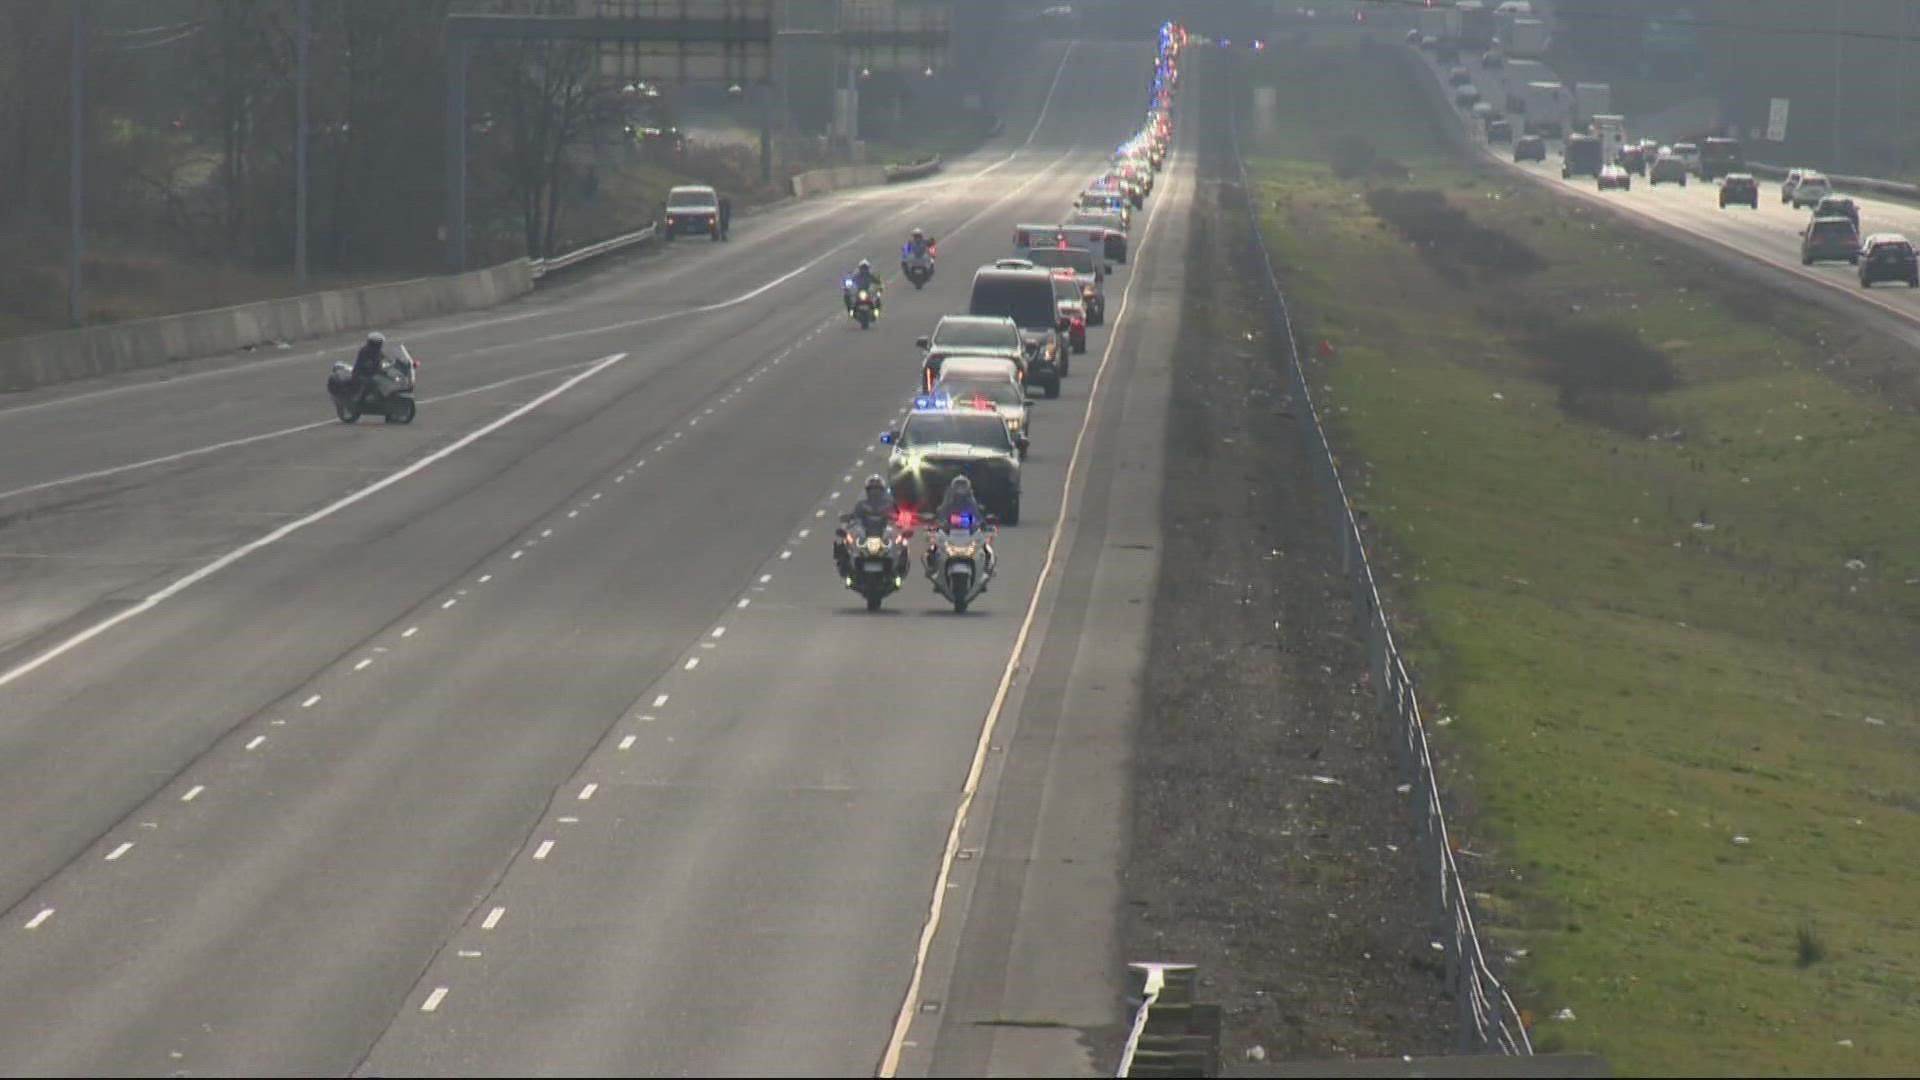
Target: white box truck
1528	37
1548	108
1515	77
1591	100
1611	130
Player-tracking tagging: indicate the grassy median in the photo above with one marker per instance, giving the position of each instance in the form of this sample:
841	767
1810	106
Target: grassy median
1651	530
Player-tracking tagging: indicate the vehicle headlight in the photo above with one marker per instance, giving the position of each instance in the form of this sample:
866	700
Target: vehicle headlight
1013	423
876	546
961	551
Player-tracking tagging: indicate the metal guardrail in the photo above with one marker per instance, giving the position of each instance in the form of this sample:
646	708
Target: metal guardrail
543	267
1487	1016
915	171
1872	185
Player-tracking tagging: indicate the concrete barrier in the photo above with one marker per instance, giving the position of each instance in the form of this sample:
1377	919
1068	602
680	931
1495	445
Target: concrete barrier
821	181
46	359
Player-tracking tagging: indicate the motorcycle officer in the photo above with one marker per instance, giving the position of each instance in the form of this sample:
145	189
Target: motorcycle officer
959	501
369	364
864	278
918	246
872	514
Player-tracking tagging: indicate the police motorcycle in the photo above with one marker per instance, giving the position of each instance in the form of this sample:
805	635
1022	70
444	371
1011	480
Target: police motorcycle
390	396
877	560
916	262
960	559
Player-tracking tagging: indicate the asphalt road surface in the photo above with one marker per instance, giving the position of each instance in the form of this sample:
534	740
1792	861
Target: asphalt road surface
538	737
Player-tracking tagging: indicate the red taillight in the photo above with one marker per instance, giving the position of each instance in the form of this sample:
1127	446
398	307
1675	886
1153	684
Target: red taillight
1062	244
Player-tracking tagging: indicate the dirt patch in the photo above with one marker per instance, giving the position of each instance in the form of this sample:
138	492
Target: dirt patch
1604	372
1270	845
1450	240
1354	157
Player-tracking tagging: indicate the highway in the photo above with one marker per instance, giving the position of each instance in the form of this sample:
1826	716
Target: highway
538	737
1769	236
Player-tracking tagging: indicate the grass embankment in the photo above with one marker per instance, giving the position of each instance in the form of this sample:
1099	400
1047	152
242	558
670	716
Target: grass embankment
1654	542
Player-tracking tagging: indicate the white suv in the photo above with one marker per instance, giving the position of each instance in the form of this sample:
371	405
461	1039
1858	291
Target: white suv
1810	190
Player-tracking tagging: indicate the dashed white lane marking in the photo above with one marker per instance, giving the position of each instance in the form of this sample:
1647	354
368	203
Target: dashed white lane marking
620	478
744	601
277	723
517	554
659	701
695	422
409	631
596	496
114	855
657	447
210	569
569	820
640	464
627	743
544	533
193	793
692	662
719	631
676	436
310	702
835	497
847	479
764	578
493	918
434	999
804	533
451	600
45	914
786	555
573	513
709	412
364	664
646	718
857	462
469	954
587	792
484	578
254	743
541	852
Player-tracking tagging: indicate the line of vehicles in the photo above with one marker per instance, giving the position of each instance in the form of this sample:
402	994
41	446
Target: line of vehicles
954	462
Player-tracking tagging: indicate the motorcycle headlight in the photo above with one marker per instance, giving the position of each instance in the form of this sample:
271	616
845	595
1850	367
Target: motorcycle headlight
875	545
1013	424
960	551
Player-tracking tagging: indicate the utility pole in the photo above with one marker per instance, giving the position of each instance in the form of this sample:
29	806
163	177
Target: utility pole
300	150
76	139
1834	166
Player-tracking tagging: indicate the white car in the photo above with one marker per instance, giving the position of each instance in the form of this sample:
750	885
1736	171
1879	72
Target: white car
1810	190
1615	177
1794	176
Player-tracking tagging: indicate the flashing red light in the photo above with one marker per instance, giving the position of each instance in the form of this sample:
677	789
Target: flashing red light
905	517
1062	244
980	402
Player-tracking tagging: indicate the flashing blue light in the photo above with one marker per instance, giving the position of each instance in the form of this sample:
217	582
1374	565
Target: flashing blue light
962	520
940	400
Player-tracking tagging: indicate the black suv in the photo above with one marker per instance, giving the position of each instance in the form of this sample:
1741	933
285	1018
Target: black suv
1026	297
1739	188
1888	257
1529	148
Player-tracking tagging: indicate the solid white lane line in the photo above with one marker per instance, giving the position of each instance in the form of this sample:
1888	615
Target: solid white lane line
310	702
156	599
193	793
910	1003
45	914
587	792
362	665
493	918
409	631
692	662
434	999
254	743
627	743
114	855
659	701
541	852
